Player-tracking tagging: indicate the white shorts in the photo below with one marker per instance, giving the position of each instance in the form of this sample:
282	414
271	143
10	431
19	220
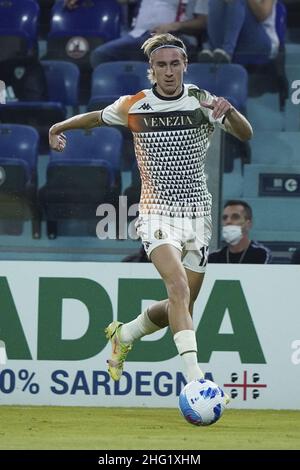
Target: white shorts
190	236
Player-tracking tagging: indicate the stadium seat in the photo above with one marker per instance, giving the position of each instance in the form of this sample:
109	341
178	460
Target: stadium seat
275	148
202	75
232	83
275	219
228	80
111	80
62	81
62	89
18	28
18	175
84	175
74	33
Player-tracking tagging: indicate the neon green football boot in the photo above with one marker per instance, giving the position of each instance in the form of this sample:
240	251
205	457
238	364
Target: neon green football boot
226	399
119	350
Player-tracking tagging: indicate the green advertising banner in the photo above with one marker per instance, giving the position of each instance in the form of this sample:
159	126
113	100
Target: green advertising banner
53	350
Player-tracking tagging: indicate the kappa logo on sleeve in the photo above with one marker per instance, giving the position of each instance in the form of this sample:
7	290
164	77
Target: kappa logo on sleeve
145	106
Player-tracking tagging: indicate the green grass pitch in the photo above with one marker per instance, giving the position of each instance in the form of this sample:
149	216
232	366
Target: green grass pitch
144	428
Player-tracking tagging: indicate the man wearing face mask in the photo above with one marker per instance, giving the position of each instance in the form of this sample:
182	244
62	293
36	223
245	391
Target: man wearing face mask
237	222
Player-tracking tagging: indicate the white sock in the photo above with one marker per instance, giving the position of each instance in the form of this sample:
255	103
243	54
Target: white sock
186	344
140	326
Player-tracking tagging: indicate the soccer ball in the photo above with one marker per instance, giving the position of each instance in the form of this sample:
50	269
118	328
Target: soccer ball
202	402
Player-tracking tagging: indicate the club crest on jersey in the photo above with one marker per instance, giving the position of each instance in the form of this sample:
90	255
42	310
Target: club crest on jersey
160	235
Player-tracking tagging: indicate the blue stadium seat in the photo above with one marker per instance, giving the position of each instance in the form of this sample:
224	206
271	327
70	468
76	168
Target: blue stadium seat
62	81
18	175
89	147
111	148
202	75
18	28
62	89
228	80
91	18
232	83
84	175
74	33
111	80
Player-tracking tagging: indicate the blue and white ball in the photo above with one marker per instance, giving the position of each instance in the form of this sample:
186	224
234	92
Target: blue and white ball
202	402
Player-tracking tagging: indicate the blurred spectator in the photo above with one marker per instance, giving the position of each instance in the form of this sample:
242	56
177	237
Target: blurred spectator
242	30
237	222
71	4
183	17
25	79
296	257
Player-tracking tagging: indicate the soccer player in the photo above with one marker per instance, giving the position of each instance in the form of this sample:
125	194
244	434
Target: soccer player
171	124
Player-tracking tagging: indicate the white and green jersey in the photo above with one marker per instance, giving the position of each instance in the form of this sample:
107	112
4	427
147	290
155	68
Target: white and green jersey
170	139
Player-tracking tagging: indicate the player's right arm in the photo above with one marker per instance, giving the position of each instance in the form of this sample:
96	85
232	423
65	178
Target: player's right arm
57	139
112	115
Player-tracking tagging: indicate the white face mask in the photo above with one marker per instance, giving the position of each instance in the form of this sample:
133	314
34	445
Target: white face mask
232	234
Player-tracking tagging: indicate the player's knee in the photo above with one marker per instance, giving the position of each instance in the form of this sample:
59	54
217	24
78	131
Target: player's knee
178	290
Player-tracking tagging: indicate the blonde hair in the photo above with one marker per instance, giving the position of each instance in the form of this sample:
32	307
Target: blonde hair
158	41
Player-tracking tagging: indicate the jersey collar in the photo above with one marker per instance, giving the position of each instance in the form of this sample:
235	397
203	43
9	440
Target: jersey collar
171	98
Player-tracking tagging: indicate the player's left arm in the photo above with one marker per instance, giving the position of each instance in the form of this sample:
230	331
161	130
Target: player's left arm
235	123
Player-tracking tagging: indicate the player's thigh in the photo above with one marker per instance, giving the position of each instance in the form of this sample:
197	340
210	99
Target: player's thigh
159	235
167	260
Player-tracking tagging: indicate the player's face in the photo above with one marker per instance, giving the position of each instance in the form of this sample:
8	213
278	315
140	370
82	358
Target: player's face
168	65
235	215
